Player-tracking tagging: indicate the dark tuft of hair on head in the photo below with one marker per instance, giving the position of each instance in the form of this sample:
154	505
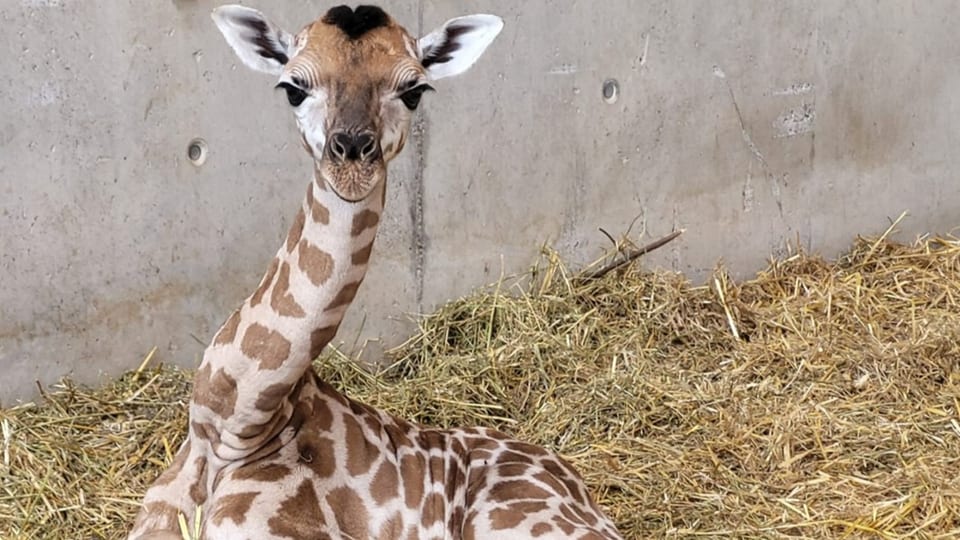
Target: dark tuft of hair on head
355	23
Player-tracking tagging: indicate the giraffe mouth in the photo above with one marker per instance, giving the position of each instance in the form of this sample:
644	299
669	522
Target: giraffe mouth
353	181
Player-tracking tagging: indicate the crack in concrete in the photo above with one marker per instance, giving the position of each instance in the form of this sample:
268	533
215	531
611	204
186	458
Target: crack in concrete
748	140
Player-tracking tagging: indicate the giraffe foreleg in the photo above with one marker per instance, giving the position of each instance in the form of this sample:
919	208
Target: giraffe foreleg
174	493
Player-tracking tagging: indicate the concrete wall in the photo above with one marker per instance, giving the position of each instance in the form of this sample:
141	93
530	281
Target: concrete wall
748	123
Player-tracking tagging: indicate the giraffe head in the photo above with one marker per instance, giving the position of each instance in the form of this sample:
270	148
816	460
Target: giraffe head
354	79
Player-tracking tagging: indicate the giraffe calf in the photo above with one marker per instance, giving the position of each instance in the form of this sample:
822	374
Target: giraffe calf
272	451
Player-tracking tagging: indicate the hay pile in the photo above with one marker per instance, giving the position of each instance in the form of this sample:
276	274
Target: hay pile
818	400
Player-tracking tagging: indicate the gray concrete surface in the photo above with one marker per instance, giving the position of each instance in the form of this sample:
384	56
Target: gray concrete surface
748	123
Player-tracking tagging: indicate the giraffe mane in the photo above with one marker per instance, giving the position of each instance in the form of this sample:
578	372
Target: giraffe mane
356	23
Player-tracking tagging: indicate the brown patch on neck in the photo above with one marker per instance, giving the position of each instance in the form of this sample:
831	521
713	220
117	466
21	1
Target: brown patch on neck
318	211
364	220
281	300
319	339
266	346
272	395
315	262
296	230
228	332
362	256
345	296
265	283
216	391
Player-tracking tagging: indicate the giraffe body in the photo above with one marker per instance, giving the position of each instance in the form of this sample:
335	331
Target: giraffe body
272	451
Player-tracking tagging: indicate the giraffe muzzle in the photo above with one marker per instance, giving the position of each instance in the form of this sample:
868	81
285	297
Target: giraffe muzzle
352	164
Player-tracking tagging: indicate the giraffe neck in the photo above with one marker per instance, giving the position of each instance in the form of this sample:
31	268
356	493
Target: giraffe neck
265	348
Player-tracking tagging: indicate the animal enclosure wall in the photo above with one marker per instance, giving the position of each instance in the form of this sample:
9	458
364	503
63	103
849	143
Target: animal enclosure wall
749	124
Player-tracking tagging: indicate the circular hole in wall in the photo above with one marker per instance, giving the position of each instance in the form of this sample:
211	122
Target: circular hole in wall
611	90
197	151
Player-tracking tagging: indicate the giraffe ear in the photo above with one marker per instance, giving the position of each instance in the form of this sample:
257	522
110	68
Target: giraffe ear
261	45
454	47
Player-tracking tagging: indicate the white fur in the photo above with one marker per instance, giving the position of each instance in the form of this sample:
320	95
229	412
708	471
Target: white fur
472	44
240	37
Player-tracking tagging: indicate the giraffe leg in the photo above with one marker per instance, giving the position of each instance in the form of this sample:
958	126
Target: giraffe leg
174	493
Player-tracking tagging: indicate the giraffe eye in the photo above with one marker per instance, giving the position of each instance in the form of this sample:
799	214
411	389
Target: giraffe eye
411	97
295	94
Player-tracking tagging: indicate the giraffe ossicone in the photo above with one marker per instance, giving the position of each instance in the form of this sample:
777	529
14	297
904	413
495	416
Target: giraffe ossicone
272	451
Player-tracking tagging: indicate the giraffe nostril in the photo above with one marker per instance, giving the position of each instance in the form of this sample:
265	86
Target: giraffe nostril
339	145
368	146
345	146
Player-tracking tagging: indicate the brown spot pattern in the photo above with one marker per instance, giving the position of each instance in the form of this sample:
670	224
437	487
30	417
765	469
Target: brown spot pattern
436	469
541	529
564	525
299	516
563	472
362	256
505	518
513	457
397	436
527	448
233	507
345	296
318	212
319	339
281	299
392	529
321	419
510	490
386	483
432	510
315	262
206	432
296	230
411	474
218	391
350	511
364	220
456	522
266	346
265	283
318	453
270	472
551	481
228	331
507	470
361	453
198	490
271	396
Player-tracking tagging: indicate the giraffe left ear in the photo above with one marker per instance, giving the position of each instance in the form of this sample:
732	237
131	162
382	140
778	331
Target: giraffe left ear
454	47
261	45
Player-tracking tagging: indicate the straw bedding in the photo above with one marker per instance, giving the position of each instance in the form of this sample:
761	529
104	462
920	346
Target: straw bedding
817	400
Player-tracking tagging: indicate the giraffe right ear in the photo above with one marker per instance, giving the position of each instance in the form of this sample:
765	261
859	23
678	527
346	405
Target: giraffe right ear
261	45
454	47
